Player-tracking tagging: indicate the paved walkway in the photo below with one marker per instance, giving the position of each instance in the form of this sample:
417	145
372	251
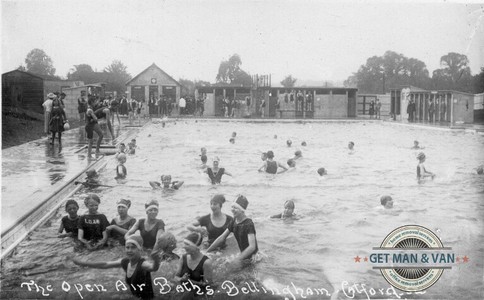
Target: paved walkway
33	171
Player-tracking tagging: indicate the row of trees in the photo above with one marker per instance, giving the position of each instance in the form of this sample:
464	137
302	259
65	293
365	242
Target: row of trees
380	73
115	75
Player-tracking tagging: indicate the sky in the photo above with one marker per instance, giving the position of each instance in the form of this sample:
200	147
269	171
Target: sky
310	40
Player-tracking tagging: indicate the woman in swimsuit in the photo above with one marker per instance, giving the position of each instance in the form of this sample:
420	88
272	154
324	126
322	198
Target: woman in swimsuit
194	266
215	173
137	268
270	165
214	223
150	228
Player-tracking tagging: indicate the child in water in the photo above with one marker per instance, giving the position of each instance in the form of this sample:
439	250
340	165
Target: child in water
92	226
69	223
121	171
166	183
121	224
422	173
297	154
132	147
91	180
232	140
351	146
289	143
122	148
288	211
386	201
137	268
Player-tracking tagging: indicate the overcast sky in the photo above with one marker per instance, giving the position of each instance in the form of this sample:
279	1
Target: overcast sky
312	40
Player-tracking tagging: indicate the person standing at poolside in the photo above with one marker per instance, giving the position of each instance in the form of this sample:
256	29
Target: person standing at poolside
47	110
215	173
214	223
92	126
244	232
57	120
150	228
378	109
82	106
270	165
431	111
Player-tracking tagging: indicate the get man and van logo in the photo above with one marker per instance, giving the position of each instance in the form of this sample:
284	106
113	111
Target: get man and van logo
412	258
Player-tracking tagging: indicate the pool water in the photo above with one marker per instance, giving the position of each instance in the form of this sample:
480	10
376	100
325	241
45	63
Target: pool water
338	215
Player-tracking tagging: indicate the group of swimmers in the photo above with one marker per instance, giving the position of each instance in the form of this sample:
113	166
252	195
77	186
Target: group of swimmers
93	229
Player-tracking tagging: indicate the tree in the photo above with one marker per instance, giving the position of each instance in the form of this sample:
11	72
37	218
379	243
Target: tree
229	71
118	76
288	82
454	73
22	68
479	82
82	72
38	62
390	70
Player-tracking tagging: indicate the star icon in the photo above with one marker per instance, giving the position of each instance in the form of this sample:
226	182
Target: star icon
465	258
357	258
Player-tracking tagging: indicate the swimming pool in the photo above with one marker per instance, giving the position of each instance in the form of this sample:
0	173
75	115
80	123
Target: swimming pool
338	215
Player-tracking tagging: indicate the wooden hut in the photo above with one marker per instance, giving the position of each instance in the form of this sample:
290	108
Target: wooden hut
23	90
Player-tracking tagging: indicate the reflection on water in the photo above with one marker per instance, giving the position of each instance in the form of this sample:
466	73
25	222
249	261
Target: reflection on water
338	215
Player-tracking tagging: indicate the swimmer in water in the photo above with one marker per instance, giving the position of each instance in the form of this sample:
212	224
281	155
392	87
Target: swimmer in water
297	155
288	212
138	269
203	151
303	144
386	201
291	163
289	143
92	179
70	222
416	146
351	146
263	156
422	173
234	134
480	170
121	171
270	166
215	173
322	171
232	140
167	243
92	226
203	166
166	183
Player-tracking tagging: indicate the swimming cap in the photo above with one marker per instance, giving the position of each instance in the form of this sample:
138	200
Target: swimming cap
289	142
298	153
242	202
152	204
71	201
135	240
92	197
420	156
219	199
124	202
321	171
384	199
194	239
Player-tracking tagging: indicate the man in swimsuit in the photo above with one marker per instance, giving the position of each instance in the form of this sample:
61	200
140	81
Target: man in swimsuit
215	173
103	112
270	166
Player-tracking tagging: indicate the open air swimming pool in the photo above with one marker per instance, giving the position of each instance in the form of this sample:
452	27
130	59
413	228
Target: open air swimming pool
338	215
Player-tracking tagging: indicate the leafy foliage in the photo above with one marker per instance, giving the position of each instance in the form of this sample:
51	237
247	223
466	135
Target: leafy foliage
288	81
38	62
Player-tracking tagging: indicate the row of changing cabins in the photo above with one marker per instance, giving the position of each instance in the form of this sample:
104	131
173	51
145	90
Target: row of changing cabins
28	91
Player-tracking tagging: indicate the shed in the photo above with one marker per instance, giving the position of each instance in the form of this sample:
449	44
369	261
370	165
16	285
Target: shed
23	89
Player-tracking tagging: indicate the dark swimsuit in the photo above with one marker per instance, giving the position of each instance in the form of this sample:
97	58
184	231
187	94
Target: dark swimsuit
194	275
271	167
149	237
217	177
121	175
139	277
90	123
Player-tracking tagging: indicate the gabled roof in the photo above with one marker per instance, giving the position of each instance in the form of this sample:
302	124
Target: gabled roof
31	74
153	65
